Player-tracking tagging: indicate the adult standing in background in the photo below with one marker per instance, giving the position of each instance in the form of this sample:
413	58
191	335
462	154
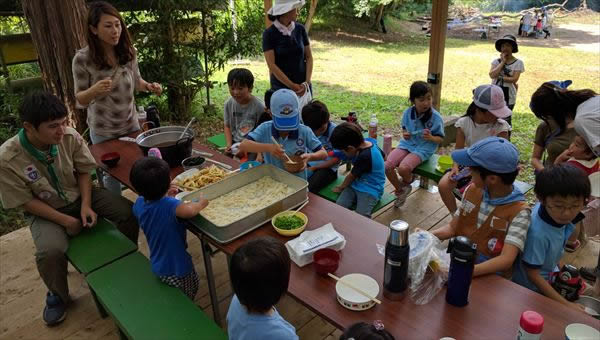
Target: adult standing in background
506	70
287	49
106	75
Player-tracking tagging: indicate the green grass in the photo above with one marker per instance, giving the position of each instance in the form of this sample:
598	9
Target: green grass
362	71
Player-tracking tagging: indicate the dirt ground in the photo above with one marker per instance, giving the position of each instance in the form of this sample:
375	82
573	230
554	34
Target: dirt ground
583	37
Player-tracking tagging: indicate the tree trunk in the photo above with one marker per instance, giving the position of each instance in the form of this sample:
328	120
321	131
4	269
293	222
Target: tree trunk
311	14
378	17
58	30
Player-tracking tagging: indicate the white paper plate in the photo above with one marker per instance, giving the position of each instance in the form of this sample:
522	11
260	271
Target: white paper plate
182	176
352	299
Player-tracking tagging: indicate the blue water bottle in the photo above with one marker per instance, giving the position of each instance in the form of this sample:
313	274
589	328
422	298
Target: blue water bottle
462	261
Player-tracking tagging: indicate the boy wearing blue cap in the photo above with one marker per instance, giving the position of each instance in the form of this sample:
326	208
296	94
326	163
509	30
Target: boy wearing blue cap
493	212
294	139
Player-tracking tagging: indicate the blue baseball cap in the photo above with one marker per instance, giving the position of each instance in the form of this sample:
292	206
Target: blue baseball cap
493	153
284	109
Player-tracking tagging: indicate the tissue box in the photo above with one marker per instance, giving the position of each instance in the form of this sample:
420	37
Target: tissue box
302	248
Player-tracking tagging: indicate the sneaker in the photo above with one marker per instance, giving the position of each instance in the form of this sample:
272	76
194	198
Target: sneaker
588	273
402	195
55	310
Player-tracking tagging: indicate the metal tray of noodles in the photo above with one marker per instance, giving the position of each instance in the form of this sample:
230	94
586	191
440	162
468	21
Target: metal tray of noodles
232	231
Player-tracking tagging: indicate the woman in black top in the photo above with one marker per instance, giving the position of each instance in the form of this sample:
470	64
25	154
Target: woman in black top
287	48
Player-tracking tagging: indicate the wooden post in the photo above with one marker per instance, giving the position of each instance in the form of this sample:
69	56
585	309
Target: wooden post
267	5
437	44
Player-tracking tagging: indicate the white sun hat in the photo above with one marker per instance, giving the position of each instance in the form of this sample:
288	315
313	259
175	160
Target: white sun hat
283	6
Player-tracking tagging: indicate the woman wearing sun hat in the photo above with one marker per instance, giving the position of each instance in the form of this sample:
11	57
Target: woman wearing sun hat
287	48
507	69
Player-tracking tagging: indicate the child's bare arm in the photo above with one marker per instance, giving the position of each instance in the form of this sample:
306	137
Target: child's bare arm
545	288
191	209
317	156
228	137
347	181
447	231
499	263
255	147
325	165
431	138
563	157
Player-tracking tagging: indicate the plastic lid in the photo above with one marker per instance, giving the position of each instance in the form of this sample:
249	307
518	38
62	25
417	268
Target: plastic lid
532	322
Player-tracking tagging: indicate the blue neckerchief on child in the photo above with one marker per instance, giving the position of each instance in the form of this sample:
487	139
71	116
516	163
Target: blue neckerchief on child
324	139
515	196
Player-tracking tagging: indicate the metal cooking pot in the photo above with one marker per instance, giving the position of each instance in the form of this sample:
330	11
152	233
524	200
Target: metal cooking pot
166	138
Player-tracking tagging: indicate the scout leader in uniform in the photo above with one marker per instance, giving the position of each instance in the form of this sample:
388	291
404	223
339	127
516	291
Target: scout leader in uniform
45	170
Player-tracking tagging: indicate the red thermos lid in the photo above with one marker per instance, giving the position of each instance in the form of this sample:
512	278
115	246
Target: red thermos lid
532	322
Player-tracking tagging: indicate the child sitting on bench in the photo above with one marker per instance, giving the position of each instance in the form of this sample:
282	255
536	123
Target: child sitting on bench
158	215
363	186
320	173
422	132
484	118
493	212
294	139
260	273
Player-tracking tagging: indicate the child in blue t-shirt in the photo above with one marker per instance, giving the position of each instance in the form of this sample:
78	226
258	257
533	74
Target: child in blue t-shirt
320	173
294	139
363	186
260	273
422	132
158	215
562	191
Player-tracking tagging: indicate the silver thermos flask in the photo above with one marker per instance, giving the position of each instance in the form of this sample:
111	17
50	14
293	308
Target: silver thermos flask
397	249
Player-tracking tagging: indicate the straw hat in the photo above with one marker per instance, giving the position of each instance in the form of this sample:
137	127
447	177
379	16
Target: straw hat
283	6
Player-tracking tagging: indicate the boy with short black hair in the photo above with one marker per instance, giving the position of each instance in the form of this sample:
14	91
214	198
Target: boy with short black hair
295	139
320	173
562	191
260	273
363	186
45	170
158	215
243	110
493	212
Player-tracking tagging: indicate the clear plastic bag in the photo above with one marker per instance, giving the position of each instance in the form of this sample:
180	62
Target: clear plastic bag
428	267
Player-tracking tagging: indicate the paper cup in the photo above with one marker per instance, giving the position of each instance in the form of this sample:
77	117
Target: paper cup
579	331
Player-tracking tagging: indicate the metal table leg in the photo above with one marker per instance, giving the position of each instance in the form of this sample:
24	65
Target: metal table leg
210	278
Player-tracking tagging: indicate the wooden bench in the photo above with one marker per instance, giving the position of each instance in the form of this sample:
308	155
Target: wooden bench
97	247
427	170
145	308
329	195
218	141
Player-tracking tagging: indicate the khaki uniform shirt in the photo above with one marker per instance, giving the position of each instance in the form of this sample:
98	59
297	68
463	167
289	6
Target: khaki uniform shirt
23	178
113	114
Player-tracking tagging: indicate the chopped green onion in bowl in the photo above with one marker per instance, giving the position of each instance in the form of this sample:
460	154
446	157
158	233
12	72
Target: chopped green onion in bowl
288	222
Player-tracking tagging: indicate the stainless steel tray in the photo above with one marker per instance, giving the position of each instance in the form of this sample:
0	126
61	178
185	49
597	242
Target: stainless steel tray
245	225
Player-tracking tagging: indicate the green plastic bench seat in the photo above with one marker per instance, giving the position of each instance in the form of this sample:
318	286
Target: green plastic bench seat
427	170
218	140
96	247
145	308
329	195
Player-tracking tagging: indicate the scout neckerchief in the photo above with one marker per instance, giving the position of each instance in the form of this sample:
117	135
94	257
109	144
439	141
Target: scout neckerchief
45	158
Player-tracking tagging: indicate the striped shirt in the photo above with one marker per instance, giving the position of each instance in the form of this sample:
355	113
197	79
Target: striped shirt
517	230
